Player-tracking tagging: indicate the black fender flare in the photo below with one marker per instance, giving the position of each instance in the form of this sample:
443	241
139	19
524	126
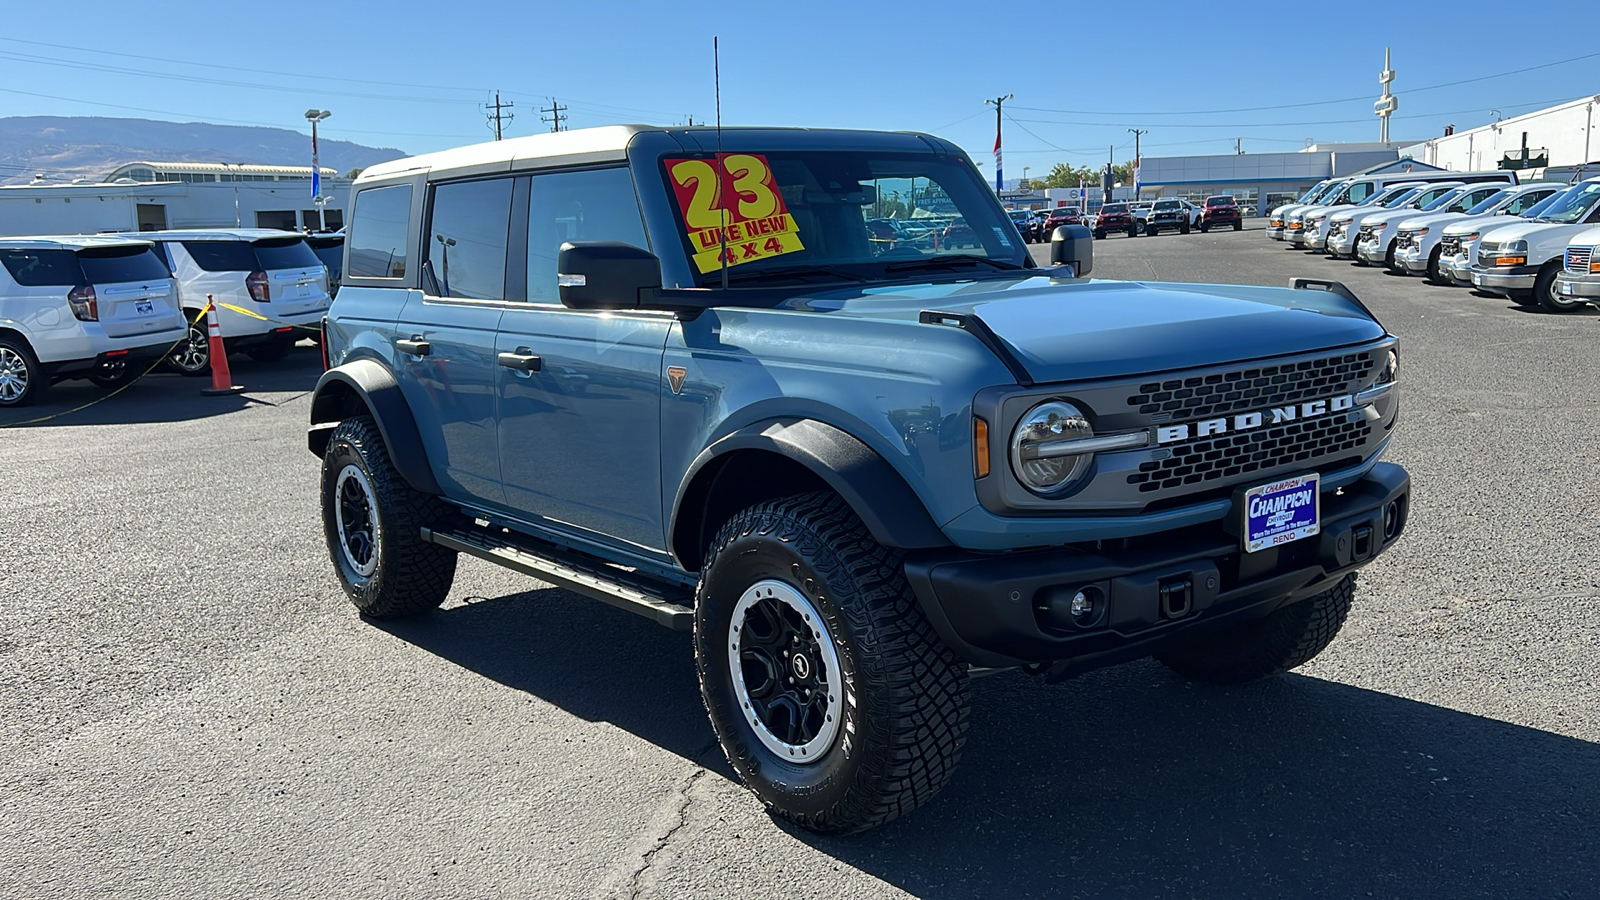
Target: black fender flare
885	503
375	387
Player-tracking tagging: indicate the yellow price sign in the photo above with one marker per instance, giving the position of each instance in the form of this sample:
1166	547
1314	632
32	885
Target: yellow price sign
731	209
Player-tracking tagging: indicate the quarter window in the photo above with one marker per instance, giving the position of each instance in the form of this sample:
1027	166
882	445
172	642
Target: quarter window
467	237
380	232
595	205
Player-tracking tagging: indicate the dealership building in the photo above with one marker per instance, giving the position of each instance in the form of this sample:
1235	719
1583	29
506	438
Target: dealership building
1558	137
1260	181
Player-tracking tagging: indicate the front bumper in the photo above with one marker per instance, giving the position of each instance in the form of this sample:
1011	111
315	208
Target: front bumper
1459	268
1275	233
1372	252
1414	260
1295	236
1504	280
985	605
1585	286
1344	244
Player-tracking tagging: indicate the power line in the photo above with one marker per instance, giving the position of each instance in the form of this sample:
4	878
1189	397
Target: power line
499	117
555	110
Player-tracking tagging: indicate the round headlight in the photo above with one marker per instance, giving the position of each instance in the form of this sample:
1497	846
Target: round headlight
1055	420
1391	369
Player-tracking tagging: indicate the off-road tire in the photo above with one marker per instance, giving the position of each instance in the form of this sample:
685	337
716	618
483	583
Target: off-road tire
1204	228
905	694
1099	235
411	577
1184	228
1288	637
1133	231
1151	230
21	365
1545	296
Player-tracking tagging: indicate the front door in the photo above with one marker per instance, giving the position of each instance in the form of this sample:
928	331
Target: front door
445	336
580	391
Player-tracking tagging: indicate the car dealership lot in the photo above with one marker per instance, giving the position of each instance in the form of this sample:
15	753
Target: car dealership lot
189	706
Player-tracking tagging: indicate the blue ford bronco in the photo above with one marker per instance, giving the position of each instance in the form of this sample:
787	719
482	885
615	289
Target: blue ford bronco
676	371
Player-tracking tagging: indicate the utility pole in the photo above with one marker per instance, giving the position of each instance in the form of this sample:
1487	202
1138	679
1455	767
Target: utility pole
1387	103
1107	182
555	110
1238	146
999	176
1137	133
500	118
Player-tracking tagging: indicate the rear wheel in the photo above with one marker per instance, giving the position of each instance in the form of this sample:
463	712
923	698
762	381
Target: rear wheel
1237	225
372	521
21	380
193	355
113	374
1545	294
1286	638
828	689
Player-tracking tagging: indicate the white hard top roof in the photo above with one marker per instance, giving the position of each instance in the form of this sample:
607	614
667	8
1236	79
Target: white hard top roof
215	234
69	242
607	142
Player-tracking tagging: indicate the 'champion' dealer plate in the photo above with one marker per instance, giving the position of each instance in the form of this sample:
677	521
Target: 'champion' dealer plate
1281	512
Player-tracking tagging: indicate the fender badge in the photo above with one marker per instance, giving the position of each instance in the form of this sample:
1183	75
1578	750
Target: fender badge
675	376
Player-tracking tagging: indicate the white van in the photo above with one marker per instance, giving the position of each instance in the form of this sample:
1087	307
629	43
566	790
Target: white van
101	308
271	273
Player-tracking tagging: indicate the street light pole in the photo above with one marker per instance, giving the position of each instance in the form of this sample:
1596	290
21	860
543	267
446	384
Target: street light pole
314	116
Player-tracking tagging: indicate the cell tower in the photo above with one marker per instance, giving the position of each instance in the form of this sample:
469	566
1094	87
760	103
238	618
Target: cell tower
1387	103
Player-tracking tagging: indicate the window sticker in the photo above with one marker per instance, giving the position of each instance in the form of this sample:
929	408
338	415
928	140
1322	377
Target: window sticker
732	196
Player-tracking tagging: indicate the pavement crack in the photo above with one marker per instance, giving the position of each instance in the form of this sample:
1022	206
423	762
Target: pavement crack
685	798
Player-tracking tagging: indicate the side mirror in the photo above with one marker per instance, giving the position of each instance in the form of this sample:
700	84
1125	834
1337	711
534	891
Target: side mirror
606	275
1073	245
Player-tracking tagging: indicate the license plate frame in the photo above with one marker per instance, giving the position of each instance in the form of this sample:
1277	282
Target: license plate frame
1276	513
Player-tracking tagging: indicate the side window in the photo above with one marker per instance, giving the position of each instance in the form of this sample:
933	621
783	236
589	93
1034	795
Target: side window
596	205
379	235
468	229
1525	202
1360	191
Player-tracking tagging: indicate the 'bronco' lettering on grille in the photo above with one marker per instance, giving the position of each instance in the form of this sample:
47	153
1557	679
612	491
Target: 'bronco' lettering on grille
1167	434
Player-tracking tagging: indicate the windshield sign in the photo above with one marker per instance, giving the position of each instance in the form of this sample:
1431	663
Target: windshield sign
839	214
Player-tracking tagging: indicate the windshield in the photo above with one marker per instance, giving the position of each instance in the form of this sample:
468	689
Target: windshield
1537	210
800	213
1443	200
1395	198
1573	205
1114	208
1314	193
1168	204
1490	202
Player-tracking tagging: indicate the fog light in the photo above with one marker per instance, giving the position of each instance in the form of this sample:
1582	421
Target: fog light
1082	606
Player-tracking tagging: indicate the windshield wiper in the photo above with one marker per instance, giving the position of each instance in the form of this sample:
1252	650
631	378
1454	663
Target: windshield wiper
947	260
802	271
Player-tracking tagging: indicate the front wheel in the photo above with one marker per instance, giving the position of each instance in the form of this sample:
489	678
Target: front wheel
372	521
1286	638
1237	226
828	689
1184	229
1546	295
1099	235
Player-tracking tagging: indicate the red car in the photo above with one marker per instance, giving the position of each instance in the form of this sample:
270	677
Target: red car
1115	217
1221	210
1061	215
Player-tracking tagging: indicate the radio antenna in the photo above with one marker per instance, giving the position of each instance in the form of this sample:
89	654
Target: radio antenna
716	72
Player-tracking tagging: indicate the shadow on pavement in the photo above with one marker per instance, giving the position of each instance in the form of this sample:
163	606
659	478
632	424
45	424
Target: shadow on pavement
1130	781
166	397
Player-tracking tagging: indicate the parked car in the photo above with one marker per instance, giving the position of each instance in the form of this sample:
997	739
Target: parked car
101	308
1458	245
1115	217
1417	240
852	477
329	247
1220	211
1140	210
1360	191
1344	227
1521	260
1579	278
1055	218
1277	218
274	276
1172	214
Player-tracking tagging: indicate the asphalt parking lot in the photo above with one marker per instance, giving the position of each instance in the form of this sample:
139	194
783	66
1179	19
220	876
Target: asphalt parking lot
190	707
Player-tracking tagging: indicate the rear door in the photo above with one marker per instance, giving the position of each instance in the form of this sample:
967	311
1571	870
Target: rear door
445	335
580	434
134	289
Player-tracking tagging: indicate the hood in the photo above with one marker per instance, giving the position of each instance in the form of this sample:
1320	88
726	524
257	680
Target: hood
1469	224
1587	237
1428	220
1357	215
1062	329
1529	229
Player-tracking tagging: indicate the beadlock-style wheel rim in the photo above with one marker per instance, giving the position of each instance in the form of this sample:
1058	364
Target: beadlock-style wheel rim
356	516
13	375
786	672
191	357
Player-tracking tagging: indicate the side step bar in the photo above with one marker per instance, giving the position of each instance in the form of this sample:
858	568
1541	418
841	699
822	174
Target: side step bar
669	605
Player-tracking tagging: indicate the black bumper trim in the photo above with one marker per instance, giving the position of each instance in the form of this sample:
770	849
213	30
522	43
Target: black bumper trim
984	604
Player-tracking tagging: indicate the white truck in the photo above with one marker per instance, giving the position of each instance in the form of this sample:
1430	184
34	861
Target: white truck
1344	228
1420	240
1579	278
1521	261
1458	245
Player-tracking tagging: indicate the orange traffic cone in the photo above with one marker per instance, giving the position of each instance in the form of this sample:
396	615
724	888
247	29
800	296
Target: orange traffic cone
221	379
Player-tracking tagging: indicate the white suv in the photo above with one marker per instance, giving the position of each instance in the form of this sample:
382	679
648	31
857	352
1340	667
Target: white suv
100	308
270	273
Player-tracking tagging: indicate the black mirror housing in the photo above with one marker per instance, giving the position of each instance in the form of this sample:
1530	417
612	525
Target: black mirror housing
606	275
1073	245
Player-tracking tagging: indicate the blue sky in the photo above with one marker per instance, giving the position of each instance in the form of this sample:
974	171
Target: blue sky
415	75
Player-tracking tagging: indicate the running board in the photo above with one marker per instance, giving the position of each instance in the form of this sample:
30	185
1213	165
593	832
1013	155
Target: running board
667	604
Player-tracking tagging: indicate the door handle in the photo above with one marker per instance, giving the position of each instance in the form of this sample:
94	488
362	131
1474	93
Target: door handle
522	360
415	346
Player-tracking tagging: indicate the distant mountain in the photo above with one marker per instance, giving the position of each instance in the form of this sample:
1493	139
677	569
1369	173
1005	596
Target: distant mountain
64	148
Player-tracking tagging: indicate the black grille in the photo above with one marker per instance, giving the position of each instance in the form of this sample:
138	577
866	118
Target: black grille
1449	246
1226	456
1248	389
